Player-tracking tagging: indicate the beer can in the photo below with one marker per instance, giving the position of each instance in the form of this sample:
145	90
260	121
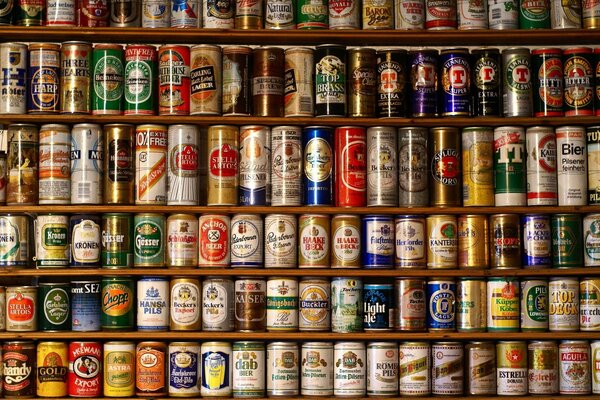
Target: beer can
52	241
173	80
537	241
511	368
185	306
314	296
75	77
318	153
503	14
150	369
392	83
350	144
218	15
409	15
54	167
547	71
362	79
472	16
19	369
282	304
281	247
579	77
346	241
316	369
377	14
15	247
534	305
411	304
382	166
378	241
91	14
455	76
447	369
205	80
542	365
346	305
52	367
107	79
473	241
223	165
141	77
87	164
314	241
595	354
217	304
149	240
413	170
567	235
441	300
486	79
593	164
186	14
184	369
414	368
572	165
21	311
125	13
505	245
574	355
254	165
440	14
510	169
29	13
280	14
330	80
541	166
589	304
214	242
298	84
382	369
117	240
480	368
344	15
183	165
477	166
248	367
268	70
119	164
282	369
152	304
13	87
442	242
119	369
247	236
286	166
54	308
85	369
350	369
117	303
533	15
445	172
237	61
471	304
85	306
151	164
156	14
250	304
563	306
379	306
216	372
423	89
312	14
503	313
590	15
182	241
517	96
43	78
6	19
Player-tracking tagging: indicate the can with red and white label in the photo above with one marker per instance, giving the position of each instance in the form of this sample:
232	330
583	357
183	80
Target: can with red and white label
174	80
313	241
21	309
183	162
213	241
440	14
85	369
223	165
574	367
351	167
542	184
151	164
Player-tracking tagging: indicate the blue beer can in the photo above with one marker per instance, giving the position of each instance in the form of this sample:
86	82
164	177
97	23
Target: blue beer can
318	165
441	295
423	93
379	307
85	306
537	241
85	237
43	78
378	244
455	82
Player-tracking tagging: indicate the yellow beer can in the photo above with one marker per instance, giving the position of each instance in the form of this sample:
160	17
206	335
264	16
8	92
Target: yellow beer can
52	369
119	369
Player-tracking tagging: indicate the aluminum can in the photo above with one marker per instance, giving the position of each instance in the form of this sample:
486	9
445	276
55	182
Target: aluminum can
237	61
414	368
150	369
595	354
185	306
282	369
281	247
280	14
593	164
440	14
247	237
286	166
117	303
29	13
186	14
413	167
250	304
54	168
254	165
298	82
125	13
331	78
151	164
480	368
503	313
589	304
268	70
510	169
350	369
574	355
223	165
572	165
517	94
15	245
217	304
382	369
563	306
52	241
362	80
503	14
478	166
377	14
183	165
565	16
392	78
149	240
316	369
473	241
215	364
54	308
534	15
455	76
472	14
579	78
108	75
312	14
43	78
542	183
567	237
75	80
548	88
173	80
441	300
182	241
317	143
447	370
346	247
140	79
379	306
92	14
542	357
423	89
442	242
85	306
152	304
444	176
119	369
411	304
314	295
248	367
346	305
537	241
184	369
213	242
156	14
590	15
344	14
486	79
382	167
511	368
350	166
119	164
6	19
409	15
282	304
205	80
85	369
87	159
52	367
378	241
505	244
117	240
534	305
19	369
13	87
218	15
21	310
60	13
471	304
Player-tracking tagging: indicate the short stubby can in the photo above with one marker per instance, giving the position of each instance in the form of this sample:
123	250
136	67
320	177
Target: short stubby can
505	241
447	369
423	89
548	84
537	241
156	14
571	165
344	15
593	164
455	75
87	159
382	369
173	80
214	240
75	79
85	369
314	297
280	14
185	304
16	245
509	164
392	83
119	369
442	242
350	371
445	169
379	306
298	84
589	304
542	183
330	81
409	15
217	304
478	166
542	365
52	241
140	78
248	369
117	241
182	241
472	15
283	369
567	241
89	13
43	77
215	363
318	154
22	309
13	86
503	304
85	305
440	14
471	304
54	307
125	14
413	170
534	304
378	241
441	305
517	94
220	15
247	236
595	354
411	304
579	77
312	15
511	368
346	305
473	241
205	80
503	14
414	368
314	243
486	85
286	166
281	241
574	355
118	303
254	165
149	240
350	158
150	369
152	304
107	79
151	164
282	304
346	247
184	369
534	15
316	369
52	369
186	14
410	247
250	296
480	368
377	14
382	166
563	304
19	369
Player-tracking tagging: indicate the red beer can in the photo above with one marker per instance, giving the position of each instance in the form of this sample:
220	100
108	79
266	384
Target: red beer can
350	166
85	369
92	13
174	80
213	242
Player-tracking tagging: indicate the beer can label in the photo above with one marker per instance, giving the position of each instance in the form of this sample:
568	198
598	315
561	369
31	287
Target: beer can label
156	14
382	369
217	305
21	309
14	245
185	304
149	240
503	305
350	369
174	80
579	88
280	14
184	370
117	249
330	81
55	307
346	305
85	369
205	80
250	304
534	305
85	242
117	305
151	165
286	166
517	96
378	242
447	370
593	160
216	370
345	242
411	304
537	237
443	242
410	243
183	162
85	306
255	160
591	237
248	369
219	15
280	241
214	241
186	14
54	166
44	81
152	304
315	370
442	302
182	241
509	161
564	304
318	169
52	369
574	356
414	369
150	368
440	15
282	304
246	241
314	304
87	157
471	304
13	85
298	89
119	369
382	168
52	241
282	369
481	370
589	304
314	242
379	307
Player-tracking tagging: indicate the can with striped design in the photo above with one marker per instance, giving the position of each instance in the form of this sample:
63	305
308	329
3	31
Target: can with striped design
183	164
151	164
447	369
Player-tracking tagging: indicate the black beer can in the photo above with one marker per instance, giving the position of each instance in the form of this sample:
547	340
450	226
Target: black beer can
330	81
391	83
424	82
6	11
579	81
486	82
547	71
361	82
236	80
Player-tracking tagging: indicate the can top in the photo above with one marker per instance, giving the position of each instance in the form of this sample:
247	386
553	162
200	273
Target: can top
420	344
24	343
299	50
547	50
396	51
361	50
442	129
119	343
53	284
13	44
582	343
446	344
151	344
51	343
382	344
149	214
318	127
481	343
181	216
87	125
424	51
44	46
577	50
477	129
483	50
515	50
316	344
75	42
140	46
184	344
237	49
286	345
108	46
206	46
455	50
216	344
150	126
55	127
330	45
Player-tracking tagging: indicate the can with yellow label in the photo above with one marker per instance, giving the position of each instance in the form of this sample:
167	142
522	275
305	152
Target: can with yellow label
119	369
52	369
503	305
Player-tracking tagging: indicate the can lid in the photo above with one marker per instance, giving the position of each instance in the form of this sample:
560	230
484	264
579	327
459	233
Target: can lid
108	46
577	50
186	344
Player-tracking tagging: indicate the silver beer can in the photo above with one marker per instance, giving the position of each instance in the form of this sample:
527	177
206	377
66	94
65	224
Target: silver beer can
447	370
156	14
125	13
409	14
344	14
247	247
503	14
13	86
183	162
565	14
316	371
286	166
382	369
248	369
382	166
218	304
414	368
282	369
517	95
281	243
86	164
412	156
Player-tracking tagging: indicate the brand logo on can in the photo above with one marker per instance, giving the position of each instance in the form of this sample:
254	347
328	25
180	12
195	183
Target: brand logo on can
445	167
116	299
56	306
85	242
215	370
183	370
518	74
86	367
184	304
578	85
441	304
44	88
214	239
184	158
53	369
223	162
456	78
550	76
317	160
17	371
20	308
346	243
313	245
485	73
108	78
148	240
138	86
314	304
10	242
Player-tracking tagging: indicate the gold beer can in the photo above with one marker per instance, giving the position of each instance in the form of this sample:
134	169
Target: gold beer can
119	369
182	241
471	304
480	368
223	156
445	189
75	62
185	304
473	242
505	241
542	365
205	80
52	369
313	241
478	166
345	241
362	82
22	163
119	164
298	90
442	242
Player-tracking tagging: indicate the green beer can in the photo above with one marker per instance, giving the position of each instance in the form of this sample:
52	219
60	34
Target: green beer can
534	14
107	79
28	12
567	236
149	240
117	309
140	79
54	307
117	243
312	14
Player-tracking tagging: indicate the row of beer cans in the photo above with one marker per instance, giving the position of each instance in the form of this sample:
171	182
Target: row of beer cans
253	369
288	304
